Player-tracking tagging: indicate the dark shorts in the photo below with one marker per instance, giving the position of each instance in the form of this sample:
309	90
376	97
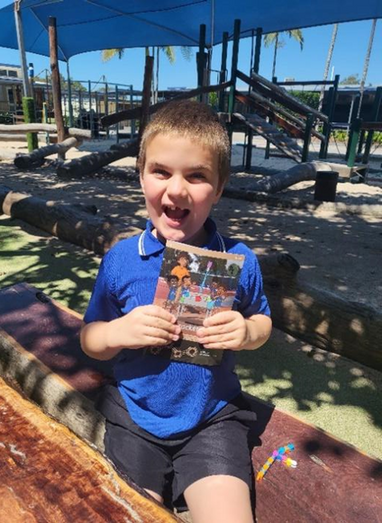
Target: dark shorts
222	445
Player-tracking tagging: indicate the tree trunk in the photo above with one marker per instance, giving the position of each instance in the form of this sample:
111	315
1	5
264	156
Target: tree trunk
327	64
37	157
56	84
275	56
91	163
366	65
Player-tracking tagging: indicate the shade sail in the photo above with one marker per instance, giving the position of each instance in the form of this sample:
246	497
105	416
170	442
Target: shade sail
89	25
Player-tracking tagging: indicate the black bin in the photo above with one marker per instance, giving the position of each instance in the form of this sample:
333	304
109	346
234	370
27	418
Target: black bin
326	184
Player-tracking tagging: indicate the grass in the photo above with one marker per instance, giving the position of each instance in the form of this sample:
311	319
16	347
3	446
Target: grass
334	393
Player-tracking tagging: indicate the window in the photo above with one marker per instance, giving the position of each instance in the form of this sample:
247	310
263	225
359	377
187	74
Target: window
3	72
11	96
13	74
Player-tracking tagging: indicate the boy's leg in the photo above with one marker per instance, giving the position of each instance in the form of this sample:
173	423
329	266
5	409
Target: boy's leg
214	469
134	452
220	499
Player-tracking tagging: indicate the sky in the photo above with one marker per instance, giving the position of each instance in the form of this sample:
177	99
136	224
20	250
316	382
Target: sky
308	64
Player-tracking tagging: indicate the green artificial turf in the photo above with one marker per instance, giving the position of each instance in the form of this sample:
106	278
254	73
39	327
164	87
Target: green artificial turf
336	394
63	271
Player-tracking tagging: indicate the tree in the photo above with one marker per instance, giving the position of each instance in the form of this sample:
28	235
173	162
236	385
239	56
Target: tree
352	79
108	54
169	52
327	64
366	63
274	39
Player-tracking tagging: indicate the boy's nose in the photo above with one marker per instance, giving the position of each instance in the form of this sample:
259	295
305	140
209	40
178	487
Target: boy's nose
176	187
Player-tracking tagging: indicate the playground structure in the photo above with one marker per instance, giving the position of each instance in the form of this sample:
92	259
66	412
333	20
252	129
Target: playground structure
267	109
337	466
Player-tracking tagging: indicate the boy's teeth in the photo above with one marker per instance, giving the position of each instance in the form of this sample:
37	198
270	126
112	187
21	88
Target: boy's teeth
175	213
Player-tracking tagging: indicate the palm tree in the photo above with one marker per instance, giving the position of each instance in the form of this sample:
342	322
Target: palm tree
274	39
108	54
168	51
327	64
366	64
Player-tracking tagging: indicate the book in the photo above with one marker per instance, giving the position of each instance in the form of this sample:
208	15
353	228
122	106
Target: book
195	283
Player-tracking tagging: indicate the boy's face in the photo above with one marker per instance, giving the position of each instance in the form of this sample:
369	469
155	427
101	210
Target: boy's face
180	182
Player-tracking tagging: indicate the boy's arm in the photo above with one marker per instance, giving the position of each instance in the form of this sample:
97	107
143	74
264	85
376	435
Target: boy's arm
144	326
230	330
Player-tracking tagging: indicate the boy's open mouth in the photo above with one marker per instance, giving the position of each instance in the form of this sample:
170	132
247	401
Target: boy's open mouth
175	213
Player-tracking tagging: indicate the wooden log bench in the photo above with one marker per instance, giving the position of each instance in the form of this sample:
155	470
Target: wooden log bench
40	354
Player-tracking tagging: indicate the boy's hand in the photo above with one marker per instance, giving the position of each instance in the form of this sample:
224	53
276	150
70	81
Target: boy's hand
144	326
224	330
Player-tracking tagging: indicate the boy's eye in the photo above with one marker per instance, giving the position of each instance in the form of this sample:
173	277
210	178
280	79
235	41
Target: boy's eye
197	176
161	173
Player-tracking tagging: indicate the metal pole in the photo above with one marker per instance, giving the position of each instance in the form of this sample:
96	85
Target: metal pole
256	65
116	110
90	107
132	122
223	70
374	118
20	41
235	56
69	95
107	108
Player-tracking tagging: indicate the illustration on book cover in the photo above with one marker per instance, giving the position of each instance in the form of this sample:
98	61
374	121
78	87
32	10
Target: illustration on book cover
195	283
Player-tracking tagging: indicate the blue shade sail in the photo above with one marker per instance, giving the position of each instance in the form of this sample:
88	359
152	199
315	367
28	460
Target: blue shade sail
89	25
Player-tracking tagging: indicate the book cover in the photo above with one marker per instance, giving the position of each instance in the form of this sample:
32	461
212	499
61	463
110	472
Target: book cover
195	283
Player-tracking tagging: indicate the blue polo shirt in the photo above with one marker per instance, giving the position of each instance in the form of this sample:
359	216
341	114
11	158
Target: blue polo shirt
164	397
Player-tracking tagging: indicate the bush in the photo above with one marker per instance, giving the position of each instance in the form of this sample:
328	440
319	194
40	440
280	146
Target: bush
307	97
6	118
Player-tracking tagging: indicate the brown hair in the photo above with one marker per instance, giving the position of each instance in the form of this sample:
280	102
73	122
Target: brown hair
192	120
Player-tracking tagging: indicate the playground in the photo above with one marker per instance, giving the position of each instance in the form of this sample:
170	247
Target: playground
309	206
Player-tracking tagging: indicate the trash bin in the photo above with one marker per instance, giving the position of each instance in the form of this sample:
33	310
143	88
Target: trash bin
326	184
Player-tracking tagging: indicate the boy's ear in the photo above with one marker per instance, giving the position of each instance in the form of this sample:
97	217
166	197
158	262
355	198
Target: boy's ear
141	181
219	192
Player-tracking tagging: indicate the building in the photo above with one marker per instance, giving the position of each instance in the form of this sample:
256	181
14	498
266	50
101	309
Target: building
10	88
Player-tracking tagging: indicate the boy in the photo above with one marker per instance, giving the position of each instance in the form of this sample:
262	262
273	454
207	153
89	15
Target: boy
176	428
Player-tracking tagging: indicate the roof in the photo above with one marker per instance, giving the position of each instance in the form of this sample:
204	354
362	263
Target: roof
105	24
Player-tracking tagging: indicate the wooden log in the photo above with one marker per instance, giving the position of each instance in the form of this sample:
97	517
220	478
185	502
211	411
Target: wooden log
56	82
36	332
63	221
81	167
333	481
37	158
12	137
298	173
42	128
322	318
146	95
134	114
49	474
314	315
